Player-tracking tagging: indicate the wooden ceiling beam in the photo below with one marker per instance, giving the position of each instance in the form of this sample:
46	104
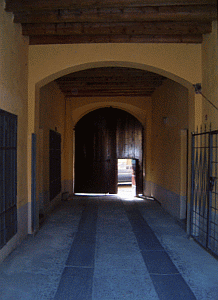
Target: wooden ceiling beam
110	87
84	81
109	94
137	14
134	83
106	78
28	5
174	28
77	39
114	21
122	80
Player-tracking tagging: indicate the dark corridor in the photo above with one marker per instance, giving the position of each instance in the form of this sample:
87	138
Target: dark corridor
102	137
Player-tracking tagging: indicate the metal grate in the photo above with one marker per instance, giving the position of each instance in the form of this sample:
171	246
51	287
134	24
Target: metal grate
8	176
204	204
213	199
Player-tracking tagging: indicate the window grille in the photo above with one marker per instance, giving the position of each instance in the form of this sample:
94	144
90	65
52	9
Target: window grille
8	176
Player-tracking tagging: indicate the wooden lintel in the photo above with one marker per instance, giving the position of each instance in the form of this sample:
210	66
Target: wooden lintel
129	28
28	5
76	39
200	13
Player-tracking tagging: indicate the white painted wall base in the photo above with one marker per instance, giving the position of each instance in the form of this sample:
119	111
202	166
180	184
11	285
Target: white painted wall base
170	201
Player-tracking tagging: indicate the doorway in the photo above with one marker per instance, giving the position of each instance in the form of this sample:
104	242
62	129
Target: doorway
101	137
126	177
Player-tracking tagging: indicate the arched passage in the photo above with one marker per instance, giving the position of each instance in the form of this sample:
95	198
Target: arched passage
74	113
102	137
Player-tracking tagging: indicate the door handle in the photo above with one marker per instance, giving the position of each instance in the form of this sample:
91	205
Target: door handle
211	183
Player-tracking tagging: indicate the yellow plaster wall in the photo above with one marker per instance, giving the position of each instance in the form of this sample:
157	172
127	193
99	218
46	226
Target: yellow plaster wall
198	111
68	149
210	78
52	116
169	117
13	89
140	107
48	62
14	99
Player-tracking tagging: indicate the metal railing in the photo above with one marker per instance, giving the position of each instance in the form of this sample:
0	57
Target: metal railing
204	200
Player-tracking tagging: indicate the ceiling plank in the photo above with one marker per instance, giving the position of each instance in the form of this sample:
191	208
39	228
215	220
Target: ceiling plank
28	5
77	39
129	28
138	14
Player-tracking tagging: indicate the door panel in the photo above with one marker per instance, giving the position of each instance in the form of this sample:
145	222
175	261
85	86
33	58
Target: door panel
129	144
95	153
101	137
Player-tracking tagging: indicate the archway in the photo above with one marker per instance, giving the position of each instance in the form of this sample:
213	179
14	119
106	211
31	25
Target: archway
102	137
140	112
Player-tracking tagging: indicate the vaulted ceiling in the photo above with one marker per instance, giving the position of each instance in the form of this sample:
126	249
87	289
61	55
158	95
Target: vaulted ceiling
112	21
110	81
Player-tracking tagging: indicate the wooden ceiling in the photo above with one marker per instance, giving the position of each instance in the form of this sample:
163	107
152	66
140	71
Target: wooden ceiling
113	21
110	81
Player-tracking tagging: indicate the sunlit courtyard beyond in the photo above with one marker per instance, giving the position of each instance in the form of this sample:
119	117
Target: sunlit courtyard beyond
127	192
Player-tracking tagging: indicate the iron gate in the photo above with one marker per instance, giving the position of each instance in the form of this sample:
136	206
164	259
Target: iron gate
204	200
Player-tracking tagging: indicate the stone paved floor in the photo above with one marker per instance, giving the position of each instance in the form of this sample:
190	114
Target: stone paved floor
102	247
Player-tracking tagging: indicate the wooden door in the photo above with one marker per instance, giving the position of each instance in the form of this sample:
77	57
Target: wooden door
129	144
101	138
95	156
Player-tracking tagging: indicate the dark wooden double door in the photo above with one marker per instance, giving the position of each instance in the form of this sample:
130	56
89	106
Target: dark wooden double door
102	137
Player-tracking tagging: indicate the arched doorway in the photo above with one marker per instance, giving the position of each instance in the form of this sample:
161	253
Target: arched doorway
101	138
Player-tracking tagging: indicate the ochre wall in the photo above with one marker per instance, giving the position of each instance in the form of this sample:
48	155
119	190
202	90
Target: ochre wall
210	78
140	107
14	99
170	115
48	62
54	116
